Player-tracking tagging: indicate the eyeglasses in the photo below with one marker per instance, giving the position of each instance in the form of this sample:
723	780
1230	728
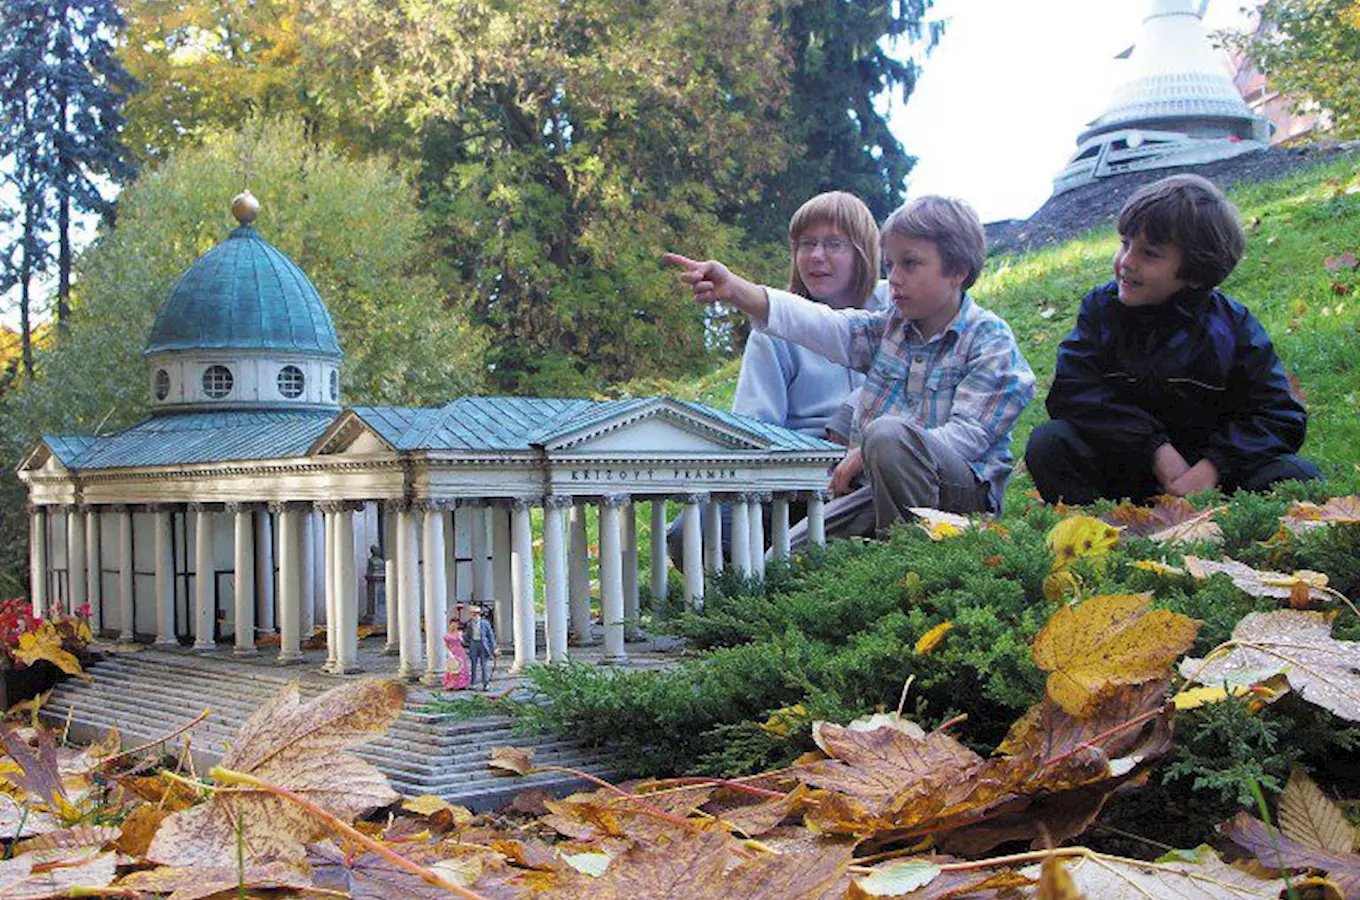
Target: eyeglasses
831	245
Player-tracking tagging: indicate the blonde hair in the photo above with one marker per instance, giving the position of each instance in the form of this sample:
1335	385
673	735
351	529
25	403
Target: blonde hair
848	215
951	225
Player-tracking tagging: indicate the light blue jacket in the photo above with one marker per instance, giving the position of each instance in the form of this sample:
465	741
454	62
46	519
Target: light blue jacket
785	384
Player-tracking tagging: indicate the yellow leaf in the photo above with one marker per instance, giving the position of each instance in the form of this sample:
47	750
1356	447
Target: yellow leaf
1194	698
512	760
425	804
1105	641
1078	537
1059	585
45	643
931	639
785	720
1158	568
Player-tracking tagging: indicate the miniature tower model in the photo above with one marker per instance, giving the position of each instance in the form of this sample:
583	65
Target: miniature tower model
1178	107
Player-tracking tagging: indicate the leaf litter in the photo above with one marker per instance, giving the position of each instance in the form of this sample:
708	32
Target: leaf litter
889	809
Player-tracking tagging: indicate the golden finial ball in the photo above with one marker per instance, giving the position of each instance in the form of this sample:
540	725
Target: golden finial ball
245	207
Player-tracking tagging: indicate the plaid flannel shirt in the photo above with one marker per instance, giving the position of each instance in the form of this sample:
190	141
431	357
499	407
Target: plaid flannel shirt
966	385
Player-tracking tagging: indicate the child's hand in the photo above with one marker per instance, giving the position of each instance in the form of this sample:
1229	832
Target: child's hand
1202	476
1167	466
846	471
712	281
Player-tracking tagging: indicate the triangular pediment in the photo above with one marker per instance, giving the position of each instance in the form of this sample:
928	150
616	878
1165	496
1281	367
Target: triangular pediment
350	435
662	425
39	458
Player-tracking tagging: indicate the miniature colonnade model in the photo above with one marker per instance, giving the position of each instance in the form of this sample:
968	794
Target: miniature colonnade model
288	562
248	501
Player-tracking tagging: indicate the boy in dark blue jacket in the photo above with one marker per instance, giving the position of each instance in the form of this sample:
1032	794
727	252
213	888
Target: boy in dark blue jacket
1166	385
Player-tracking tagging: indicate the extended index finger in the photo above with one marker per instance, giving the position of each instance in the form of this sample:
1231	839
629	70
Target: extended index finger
684	262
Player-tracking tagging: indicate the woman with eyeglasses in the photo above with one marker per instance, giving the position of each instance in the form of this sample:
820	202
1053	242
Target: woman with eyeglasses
833	241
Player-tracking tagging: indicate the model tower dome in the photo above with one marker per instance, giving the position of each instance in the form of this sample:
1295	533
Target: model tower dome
1178	107
244	328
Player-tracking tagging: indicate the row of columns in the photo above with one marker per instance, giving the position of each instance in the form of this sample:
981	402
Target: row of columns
502	574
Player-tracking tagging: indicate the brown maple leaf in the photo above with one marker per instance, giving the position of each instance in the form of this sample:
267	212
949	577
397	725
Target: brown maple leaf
296	746
1277	851
198	882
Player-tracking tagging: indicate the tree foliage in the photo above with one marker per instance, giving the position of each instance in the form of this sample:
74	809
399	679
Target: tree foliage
1310	49
560	147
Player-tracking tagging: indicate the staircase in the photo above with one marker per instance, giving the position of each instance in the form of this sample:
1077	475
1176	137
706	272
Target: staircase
150	694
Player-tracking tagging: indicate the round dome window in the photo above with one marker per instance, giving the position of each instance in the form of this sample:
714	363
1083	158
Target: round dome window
162	384
335	385
217	382
291	382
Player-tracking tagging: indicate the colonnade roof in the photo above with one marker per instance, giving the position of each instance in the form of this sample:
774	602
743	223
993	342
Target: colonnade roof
469	424
524	423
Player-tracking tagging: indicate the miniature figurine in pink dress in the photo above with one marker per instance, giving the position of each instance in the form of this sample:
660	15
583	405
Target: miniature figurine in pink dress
456	671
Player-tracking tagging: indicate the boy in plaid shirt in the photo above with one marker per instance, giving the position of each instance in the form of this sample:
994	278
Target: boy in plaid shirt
945	383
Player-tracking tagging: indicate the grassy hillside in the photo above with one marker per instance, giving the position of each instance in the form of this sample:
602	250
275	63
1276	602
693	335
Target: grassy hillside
1294	225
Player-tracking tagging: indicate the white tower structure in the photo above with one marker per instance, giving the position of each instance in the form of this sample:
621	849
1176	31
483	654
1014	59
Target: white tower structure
1178	107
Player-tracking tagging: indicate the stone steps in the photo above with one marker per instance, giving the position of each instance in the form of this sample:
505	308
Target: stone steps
148	695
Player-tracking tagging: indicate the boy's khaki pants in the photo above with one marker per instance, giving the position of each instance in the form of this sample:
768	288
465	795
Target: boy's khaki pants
904	466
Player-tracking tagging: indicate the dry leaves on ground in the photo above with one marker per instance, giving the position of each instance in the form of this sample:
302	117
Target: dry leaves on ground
1303	516
1167	520
1301	589
1293	643
297	746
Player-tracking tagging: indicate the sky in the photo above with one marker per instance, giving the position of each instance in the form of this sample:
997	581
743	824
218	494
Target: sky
1002	98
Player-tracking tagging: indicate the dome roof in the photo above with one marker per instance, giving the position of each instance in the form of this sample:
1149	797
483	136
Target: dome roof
244	294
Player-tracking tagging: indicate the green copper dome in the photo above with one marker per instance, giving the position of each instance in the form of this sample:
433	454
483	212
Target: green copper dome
244	294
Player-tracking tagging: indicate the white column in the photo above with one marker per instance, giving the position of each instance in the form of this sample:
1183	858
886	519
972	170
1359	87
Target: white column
408	595
93	563
578	574
522	583
165	579
264	569
632	605
329	587
436	592
75	559
37	565
502	580
816	518
287	519
741	536
779	525
555	576
451	520
308	571
243	557
481	560
205	581
391	578
127	608
611	578
694	551
659	549
347	608
713	553
757	548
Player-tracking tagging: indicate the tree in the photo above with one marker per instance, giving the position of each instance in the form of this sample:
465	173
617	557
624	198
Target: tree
63	101
1310	50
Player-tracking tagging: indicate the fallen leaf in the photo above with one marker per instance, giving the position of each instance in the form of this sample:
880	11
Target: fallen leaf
1278	851
1206	878
1307	815
139	828
1060	585
940	524
901	876
1055	883
1167	520
932	638
1260	583
367	876
1158	568
82	837
54	873
1116	639
297	746
1194	698
1080	537
199	882
1299	645
512	760
45	643
38	773
1303	516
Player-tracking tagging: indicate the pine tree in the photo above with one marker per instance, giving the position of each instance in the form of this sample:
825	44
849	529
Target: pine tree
62	93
